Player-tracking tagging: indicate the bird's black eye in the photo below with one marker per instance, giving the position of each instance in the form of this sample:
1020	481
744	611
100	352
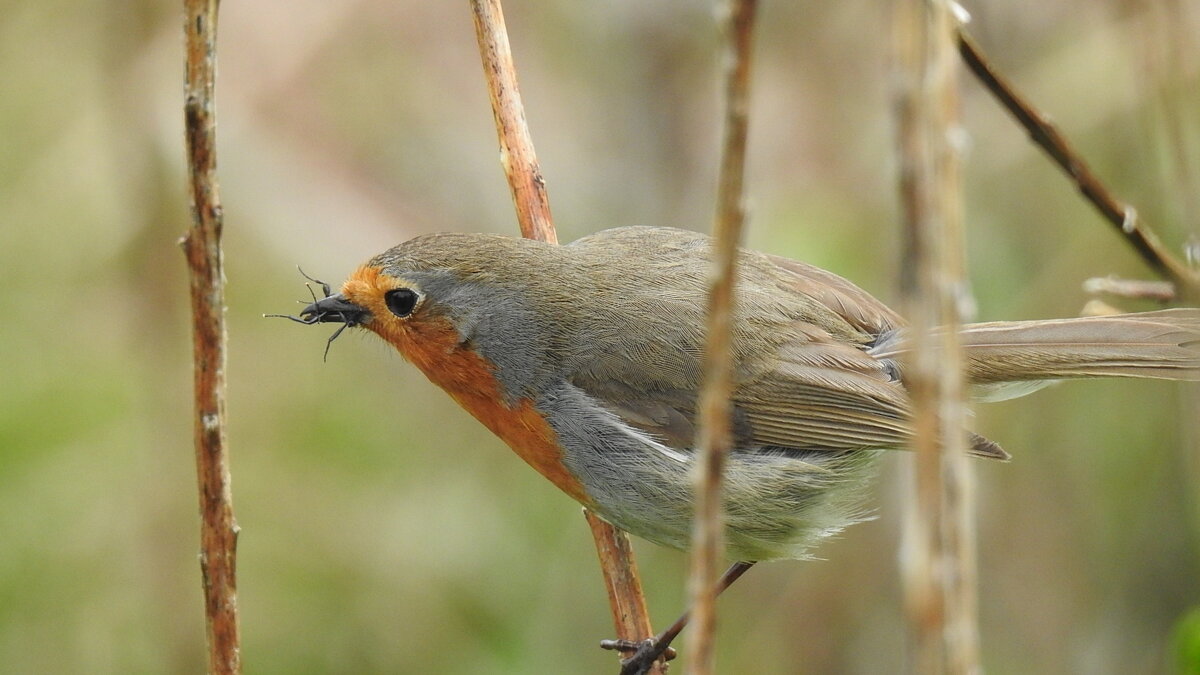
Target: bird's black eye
401	301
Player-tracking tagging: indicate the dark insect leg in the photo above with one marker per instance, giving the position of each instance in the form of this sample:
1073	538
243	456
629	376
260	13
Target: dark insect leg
329	342
324	286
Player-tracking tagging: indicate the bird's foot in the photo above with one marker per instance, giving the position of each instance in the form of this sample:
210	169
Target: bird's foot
645	653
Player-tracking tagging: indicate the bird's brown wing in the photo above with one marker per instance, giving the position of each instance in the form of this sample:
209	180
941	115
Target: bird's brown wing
820	389
854	305
812	392
816	397
804	378
824	395
828	391
818	393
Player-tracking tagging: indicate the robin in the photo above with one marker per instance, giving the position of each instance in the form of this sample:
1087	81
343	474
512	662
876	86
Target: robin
585	360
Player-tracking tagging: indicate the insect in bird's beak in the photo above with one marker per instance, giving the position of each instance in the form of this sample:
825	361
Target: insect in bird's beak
327	309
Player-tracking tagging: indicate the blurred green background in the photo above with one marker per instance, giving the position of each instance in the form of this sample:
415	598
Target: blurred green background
383	530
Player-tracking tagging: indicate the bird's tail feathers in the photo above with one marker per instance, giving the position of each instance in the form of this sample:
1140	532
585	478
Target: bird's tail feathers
1006	359
1163	344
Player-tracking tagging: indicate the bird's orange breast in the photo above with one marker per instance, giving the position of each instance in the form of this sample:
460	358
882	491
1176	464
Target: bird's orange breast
432	344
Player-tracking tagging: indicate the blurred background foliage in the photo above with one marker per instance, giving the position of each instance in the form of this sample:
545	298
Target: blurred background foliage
386	531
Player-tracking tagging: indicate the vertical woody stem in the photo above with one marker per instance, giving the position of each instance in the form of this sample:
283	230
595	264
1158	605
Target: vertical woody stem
715	435
202	247
939	563
630	616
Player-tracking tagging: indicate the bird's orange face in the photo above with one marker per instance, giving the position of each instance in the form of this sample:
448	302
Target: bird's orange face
400	312
394	312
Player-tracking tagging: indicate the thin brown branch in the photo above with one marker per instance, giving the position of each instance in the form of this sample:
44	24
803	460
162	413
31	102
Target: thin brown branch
939	562
202	246
1047	136
625	597
715	434
516	145
731	575
630	616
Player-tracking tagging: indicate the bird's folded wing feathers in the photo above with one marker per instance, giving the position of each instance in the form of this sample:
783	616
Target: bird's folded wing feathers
819	390
817	396
854	305
833	397
824	395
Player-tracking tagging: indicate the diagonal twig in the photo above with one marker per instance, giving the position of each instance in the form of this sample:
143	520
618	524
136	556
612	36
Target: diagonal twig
202	247
623	585
1047	136
517	155
630	616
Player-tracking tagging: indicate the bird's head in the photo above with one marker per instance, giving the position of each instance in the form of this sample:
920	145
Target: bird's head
438	296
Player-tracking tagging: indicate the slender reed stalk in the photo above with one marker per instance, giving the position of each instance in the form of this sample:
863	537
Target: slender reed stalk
938	554
715	436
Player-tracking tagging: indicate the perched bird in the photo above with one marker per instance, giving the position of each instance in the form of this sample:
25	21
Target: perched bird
585	360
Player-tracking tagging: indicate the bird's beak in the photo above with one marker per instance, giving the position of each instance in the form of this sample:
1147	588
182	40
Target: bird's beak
335	309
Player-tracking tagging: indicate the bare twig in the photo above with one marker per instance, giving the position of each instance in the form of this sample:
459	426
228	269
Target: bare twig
202	246
516	145
939	561
731	575
630	616
1047	136
1137	289
621	581
715	434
